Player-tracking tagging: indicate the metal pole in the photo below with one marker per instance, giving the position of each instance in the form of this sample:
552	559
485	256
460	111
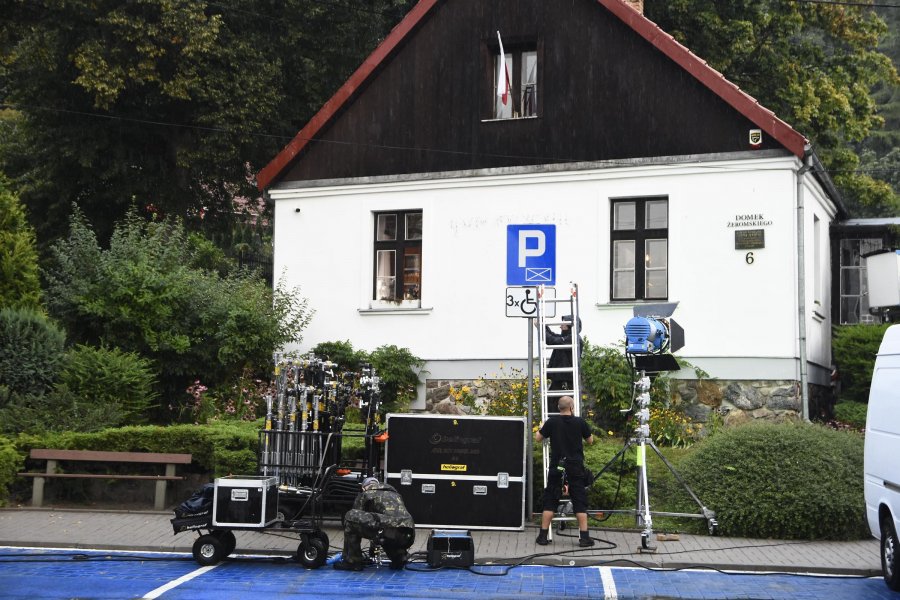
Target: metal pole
529	452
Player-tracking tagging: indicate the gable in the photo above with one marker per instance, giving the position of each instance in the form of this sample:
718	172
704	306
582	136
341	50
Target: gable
611	86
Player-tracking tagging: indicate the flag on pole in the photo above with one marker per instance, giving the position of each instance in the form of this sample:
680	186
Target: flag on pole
502	74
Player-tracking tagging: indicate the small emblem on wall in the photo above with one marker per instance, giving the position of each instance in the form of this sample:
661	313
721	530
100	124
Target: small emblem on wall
755	138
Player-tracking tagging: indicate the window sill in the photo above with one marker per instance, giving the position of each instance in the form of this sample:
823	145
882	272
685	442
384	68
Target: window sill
394	308
511	119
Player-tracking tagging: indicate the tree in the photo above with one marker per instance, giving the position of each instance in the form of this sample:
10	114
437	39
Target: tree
19	282
168	104
814	64
149	294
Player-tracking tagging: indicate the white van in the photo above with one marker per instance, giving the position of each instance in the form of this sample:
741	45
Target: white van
882	455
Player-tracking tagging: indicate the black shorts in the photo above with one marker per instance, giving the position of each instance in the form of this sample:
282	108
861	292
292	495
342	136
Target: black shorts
577	480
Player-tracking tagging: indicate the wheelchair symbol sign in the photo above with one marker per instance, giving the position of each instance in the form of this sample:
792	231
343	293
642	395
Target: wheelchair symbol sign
530	255
523	301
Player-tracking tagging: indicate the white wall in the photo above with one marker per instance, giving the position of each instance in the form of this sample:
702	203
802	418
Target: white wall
740	319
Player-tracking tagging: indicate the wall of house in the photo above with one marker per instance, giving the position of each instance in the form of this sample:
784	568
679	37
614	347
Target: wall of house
739	313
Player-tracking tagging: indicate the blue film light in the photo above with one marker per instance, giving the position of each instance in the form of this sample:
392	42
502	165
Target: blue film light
646	335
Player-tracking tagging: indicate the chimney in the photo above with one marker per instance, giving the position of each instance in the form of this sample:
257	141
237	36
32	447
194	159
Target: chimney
637	5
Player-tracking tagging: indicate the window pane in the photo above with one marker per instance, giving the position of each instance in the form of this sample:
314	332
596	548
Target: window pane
850	282
623	216
656	214
655	284
623	285
529	84
850	309
502	98
656	255
623	255
385	278
414	226
412	274
386	228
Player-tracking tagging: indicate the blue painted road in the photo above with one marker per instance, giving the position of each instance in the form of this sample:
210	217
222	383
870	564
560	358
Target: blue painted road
59	574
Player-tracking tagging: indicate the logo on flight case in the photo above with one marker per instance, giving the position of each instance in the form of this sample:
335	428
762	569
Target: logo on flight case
456	468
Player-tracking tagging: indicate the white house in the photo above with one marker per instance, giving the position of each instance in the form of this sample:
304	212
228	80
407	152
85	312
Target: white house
392	204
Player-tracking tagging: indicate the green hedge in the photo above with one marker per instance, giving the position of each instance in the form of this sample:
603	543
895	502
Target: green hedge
854	348
10	463
786	481
851	413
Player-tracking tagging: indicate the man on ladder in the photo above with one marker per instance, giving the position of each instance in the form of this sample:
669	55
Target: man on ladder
561	404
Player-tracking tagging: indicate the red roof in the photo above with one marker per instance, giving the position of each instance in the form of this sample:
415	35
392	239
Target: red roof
665	43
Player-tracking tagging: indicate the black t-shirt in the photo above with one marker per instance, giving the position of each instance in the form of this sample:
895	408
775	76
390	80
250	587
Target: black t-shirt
566	434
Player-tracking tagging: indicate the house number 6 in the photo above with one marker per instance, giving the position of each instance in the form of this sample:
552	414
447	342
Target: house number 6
749	258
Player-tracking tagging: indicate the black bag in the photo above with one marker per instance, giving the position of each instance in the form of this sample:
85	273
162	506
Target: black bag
199	504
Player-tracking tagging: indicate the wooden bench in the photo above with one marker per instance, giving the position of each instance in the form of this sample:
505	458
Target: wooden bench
52	456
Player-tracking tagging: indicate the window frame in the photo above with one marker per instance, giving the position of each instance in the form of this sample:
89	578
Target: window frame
402	247
515	47
639	237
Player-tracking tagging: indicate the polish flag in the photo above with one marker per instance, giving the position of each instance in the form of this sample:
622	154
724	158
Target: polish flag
502	75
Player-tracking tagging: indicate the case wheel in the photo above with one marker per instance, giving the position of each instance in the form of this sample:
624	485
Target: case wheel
313	553
208	550
226	537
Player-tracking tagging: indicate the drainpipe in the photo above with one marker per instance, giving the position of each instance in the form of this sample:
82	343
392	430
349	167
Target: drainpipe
801	282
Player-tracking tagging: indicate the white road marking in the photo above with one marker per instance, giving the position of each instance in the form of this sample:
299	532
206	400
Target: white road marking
176	582
609	585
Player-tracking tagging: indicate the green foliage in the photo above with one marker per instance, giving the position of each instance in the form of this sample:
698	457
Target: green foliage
813	64
56	410
854	348
671	427
142	295
242	400
400	371
171	105
785	481
20	285
851	413
341	353
10	463
31	352
109	377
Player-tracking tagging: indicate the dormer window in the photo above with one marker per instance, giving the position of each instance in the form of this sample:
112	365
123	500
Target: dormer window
515	89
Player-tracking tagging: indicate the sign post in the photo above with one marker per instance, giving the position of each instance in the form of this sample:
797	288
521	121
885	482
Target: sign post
530	262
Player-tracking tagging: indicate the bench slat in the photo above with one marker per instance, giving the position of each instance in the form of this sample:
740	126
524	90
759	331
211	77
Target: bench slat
102	476
104	456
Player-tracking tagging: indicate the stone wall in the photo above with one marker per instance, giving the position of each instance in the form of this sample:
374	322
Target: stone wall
735	401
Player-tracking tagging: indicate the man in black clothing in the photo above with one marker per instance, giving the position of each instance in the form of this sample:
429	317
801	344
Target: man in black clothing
566	433
378	513
561	357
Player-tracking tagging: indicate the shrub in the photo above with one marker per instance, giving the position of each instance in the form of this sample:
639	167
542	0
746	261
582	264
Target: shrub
399	370
110	379
55	410
144	294
787	481
854	348
20	285
851	413
10	463
31	351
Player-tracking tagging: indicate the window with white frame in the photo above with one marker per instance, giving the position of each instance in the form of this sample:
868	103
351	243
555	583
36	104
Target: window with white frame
639	251
515	89
854	292
398	256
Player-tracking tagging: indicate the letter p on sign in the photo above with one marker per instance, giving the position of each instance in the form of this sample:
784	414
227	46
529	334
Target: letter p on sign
525	251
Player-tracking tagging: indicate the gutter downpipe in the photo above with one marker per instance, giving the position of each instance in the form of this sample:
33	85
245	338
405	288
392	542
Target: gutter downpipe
801	282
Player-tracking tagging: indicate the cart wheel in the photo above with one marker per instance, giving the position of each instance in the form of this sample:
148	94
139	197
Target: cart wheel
713	527
321	535
313	554
645	541
226	537
208	550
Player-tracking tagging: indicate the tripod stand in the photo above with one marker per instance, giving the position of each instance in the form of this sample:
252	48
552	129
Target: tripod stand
641	439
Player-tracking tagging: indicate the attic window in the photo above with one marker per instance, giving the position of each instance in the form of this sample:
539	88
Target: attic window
515	82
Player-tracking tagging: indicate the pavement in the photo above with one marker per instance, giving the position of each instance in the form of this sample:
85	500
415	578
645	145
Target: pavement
137	530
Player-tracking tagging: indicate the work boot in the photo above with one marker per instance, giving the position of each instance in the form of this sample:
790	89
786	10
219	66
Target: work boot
343	565
541	539
585	541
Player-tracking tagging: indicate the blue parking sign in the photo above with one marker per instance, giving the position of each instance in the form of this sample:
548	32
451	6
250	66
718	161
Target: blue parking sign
530	254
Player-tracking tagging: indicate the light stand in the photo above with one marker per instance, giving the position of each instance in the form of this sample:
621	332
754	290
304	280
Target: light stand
641	439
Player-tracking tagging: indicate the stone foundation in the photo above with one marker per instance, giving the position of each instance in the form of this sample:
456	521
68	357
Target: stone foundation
736	401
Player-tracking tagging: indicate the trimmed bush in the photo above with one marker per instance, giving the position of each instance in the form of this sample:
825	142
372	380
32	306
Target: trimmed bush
854	348
786	481
851	413
111	378
31	352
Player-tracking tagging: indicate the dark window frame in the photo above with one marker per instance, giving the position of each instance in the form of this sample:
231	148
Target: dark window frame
515	46
640	235
400	246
